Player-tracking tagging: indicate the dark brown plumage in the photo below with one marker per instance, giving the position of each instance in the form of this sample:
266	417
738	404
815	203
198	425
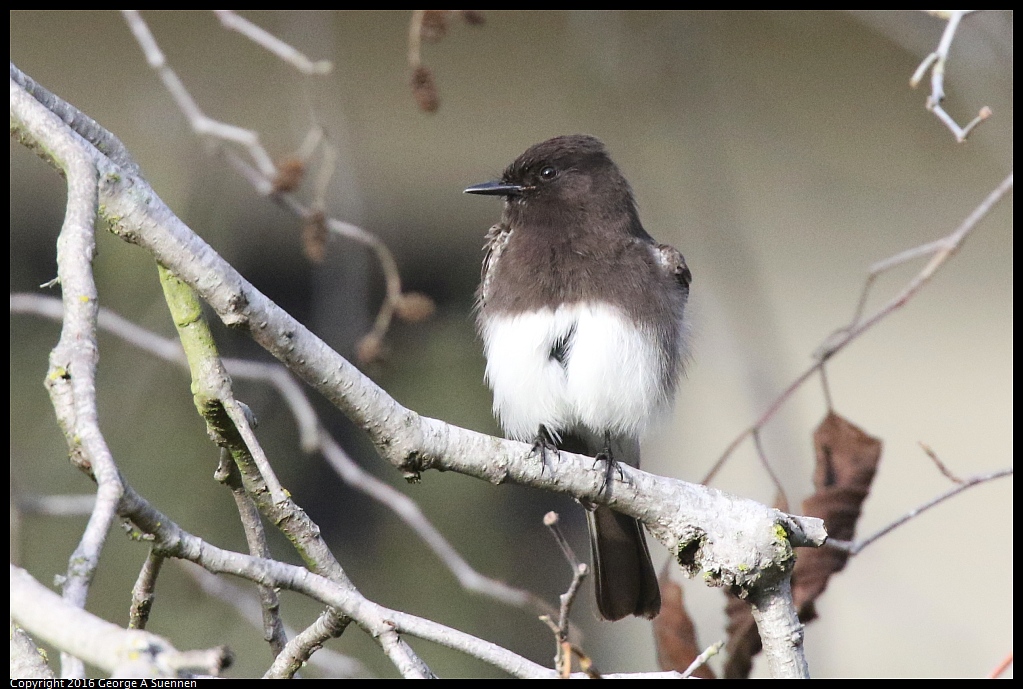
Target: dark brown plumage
581	314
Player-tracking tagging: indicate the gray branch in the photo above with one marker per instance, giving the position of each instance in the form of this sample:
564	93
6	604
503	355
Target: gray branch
121	652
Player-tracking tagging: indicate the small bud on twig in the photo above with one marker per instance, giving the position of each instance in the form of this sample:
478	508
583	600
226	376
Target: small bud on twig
414	307
424	89
314	236
290	172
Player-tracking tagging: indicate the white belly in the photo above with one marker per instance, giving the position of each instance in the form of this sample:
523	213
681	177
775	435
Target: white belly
611	377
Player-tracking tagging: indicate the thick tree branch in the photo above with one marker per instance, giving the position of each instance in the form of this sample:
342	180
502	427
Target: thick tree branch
71	379
780	630
122	652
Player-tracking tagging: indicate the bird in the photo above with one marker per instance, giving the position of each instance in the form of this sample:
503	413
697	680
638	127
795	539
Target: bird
582	317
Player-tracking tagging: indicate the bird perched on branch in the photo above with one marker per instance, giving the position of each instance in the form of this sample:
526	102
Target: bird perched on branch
582	318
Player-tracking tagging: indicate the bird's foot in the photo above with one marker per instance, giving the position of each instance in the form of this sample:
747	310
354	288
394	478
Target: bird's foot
542	444
612	466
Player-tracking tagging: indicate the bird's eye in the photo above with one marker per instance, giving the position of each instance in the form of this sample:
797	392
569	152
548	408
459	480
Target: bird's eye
548	173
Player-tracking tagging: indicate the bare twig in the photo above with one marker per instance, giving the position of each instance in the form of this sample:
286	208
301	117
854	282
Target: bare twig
295	653
144	592
261	172
945	471
415	39
307	646
550	520
781	500
940	251
826	389
261	37
200	123
561	630
936	63
273	628
702	659
854	547
212	389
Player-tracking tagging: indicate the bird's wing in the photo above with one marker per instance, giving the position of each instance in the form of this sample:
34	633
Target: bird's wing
674	264
496	239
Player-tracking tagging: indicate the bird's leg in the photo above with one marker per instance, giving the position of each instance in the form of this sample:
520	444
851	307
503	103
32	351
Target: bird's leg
543	444
606	455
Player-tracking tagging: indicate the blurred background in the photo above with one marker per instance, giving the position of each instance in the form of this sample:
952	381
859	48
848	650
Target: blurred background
782	153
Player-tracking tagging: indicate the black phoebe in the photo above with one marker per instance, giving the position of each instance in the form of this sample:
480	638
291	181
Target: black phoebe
581	314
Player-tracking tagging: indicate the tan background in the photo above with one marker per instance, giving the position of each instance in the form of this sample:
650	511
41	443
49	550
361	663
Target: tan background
783	153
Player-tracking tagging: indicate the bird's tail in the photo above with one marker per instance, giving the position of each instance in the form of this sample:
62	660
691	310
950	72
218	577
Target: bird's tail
626	583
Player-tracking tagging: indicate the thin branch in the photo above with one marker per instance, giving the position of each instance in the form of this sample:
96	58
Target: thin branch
702	659
262	173
212	390
561	629
550	520
782	500
124	652
854	548
200	123
273	628
143	593
295	653
945	471
936	62
940	251
415	39
261	37
408	664
826	389
307	646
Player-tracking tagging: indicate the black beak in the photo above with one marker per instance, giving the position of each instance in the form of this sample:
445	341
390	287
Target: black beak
495	188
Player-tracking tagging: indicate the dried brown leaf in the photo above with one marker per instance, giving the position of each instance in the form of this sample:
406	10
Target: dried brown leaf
675	634
847	459
743	638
